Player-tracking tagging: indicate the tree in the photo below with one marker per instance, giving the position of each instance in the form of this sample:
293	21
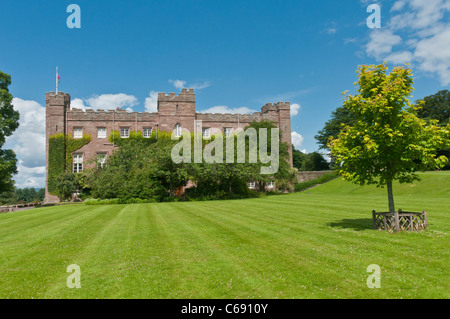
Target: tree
436	107
309	162
66	185
387	141
315	162
9	122
339	118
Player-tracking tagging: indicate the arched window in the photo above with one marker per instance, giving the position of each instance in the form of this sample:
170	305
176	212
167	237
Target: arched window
177	130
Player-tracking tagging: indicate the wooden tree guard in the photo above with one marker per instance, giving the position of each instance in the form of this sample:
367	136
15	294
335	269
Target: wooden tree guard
400	221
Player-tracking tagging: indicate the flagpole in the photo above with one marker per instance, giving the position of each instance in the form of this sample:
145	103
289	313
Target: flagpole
56	80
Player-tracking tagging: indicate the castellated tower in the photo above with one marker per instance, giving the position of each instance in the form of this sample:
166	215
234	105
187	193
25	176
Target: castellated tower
56	107
174	111
280	113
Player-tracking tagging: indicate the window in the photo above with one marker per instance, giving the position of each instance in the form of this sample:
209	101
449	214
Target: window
77	163
124	132
77	132
271	184
177	130
251	185
101	132
227	131
101	160
206	132
147	132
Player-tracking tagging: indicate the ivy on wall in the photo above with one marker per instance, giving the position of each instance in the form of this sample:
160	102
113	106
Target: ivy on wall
60	149
115	138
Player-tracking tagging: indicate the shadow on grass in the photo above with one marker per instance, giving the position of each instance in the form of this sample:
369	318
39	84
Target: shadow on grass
355	224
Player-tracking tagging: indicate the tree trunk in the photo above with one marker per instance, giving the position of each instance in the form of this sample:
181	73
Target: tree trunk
390	197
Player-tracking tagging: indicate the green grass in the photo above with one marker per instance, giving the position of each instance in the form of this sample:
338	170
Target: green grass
314	244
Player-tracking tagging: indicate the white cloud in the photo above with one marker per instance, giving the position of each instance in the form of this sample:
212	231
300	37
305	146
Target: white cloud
433	55
297	140
28	142
151	102
225	109
180	84
29	176
398	6
425	27
294	109
106	101
331	30
400	57
349	40
381	43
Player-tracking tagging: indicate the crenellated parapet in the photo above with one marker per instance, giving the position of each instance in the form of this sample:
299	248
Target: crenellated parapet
186	95
109	115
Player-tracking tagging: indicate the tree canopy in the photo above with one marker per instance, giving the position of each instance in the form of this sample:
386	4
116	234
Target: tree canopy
387	141
435	107
9	122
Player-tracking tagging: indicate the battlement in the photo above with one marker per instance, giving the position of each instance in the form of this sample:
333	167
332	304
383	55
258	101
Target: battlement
186	95
276	107
109	115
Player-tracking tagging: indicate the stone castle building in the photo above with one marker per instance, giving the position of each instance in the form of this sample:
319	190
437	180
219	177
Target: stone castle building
173	113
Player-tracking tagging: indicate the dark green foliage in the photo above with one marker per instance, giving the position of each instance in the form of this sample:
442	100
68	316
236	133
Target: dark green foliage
435	107
315	162
22	196
339	118
65	185
8	167
143	169
8	198
60	149
309	162
322	179
136	171
9	122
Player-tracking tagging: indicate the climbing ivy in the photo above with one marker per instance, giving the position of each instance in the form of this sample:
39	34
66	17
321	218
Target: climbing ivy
137	137
60	149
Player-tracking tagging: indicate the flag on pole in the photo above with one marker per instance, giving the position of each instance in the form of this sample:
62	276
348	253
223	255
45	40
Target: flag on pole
57	80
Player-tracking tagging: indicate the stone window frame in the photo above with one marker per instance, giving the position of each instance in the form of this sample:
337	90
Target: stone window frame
101	163
206	130
271	184
98	131
252	185
78	129
77	164
227	130
147	129
177	130
128	132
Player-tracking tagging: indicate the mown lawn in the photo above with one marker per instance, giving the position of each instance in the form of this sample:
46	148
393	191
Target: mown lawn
315	244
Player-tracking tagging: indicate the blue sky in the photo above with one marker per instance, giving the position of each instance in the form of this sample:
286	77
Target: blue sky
237	55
